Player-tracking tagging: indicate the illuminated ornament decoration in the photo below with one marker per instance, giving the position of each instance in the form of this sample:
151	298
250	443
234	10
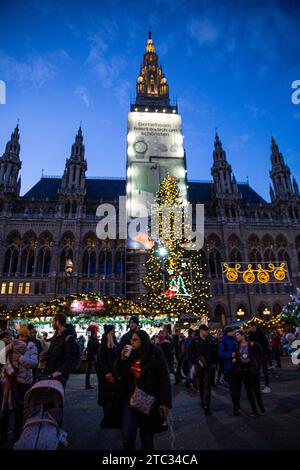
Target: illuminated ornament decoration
173	289
181	289
255	273
249	276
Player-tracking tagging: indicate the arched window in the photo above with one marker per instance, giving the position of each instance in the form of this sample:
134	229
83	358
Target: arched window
152	90
89	263
102	263
233	241
27	262
267	241
235	256
262	311
119	265
241	312
11	261
281	241
255	256
65	255
215	263
269	255
108	264
44	262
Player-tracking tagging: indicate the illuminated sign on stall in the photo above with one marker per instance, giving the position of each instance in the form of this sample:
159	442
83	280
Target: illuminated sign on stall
84	306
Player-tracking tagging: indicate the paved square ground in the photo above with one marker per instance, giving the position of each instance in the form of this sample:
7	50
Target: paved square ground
279	429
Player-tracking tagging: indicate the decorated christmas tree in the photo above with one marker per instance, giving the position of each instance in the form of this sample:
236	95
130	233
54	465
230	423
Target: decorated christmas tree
291	311
174	274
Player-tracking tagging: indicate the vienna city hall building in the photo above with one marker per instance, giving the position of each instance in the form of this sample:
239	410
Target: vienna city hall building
48	241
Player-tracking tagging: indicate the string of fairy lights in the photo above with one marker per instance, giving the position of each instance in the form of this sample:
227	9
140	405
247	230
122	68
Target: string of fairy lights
112	306
169	255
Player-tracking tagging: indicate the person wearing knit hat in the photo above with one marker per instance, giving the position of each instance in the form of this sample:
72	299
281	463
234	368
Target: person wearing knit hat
133	326
23	331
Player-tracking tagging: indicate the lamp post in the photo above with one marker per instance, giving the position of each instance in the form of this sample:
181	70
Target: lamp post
69	267
69	270
266	311
240	313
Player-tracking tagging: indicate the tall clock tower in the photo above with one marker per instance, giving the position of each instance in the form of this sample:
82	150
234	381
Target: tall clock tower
154	149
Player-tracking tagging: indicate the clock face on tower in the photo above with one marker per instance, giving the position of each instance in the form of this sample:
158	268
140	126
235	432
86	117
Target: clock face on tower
140	146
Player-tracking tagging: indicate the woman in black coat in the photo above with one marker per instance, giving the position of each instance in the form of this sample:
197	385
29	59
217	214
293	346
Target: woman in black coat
246	360
145	367
107	355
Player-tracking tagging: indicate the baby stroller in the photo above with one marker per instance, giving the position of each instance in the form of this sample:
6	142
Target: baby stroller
43	415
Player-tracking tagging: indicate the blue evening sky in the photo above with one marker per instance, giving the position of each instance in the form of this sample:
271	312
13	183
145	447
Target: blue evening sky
229	63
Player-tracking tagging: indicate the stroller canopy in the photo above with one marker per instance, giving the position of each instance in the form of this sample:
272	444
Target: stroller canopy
45	391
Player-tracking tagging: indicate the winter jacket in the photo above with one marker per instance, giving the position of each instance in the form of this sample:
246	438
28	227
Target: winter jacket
37	343
154	381
27	362
92	349
106	360
206	348
126	339
227	346
259	337
61	354
188	349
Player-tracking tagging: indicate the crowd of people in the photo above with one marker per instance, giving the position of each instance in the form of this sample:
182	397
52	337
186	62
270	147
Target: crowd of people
134	386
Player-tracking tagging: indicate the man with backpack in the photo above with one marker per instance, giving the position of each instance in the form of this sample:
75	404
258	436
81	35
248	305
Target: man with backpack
62	355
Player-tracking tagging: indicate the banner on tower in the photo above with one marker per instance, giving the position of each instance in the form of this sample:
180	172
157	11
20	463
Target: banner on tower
154	149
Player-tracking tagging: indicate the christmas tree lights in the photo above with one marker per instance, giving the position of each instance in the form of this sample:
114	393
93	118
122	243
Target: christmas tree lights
185	292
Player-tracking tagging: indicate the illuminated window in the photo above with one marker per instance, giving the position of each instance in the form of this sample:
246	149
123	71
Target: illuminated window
3	288
20	288
10	287
27	288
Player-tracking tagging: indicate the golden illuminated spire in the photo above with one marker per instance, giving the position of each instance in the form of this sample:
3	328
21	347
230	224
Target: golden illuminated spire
150	46
152	85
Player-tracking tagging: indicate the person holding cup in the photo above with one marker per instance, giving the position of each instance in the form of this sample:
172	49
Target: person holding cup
141	365
133	326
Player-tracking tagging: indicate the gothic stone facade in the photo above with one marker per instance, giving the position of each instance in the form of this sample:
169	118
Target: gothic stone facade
55	222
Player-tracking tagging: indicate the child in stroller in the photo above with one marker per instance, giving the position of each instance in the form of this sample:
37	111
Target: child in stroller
43	415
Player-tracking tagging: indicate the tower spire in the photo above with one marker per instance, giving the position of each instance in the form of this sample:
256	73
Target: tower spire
280	173
152	86
10	164
225	184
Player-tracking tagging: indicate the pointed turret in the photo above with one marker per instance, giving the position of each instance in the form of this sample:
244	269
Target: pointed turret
10	165
224	182
73	185
76	166
280	174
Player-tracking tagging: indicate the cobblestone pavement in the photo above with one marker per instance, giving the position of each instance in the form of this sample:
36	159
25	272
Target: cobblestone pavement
279	429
